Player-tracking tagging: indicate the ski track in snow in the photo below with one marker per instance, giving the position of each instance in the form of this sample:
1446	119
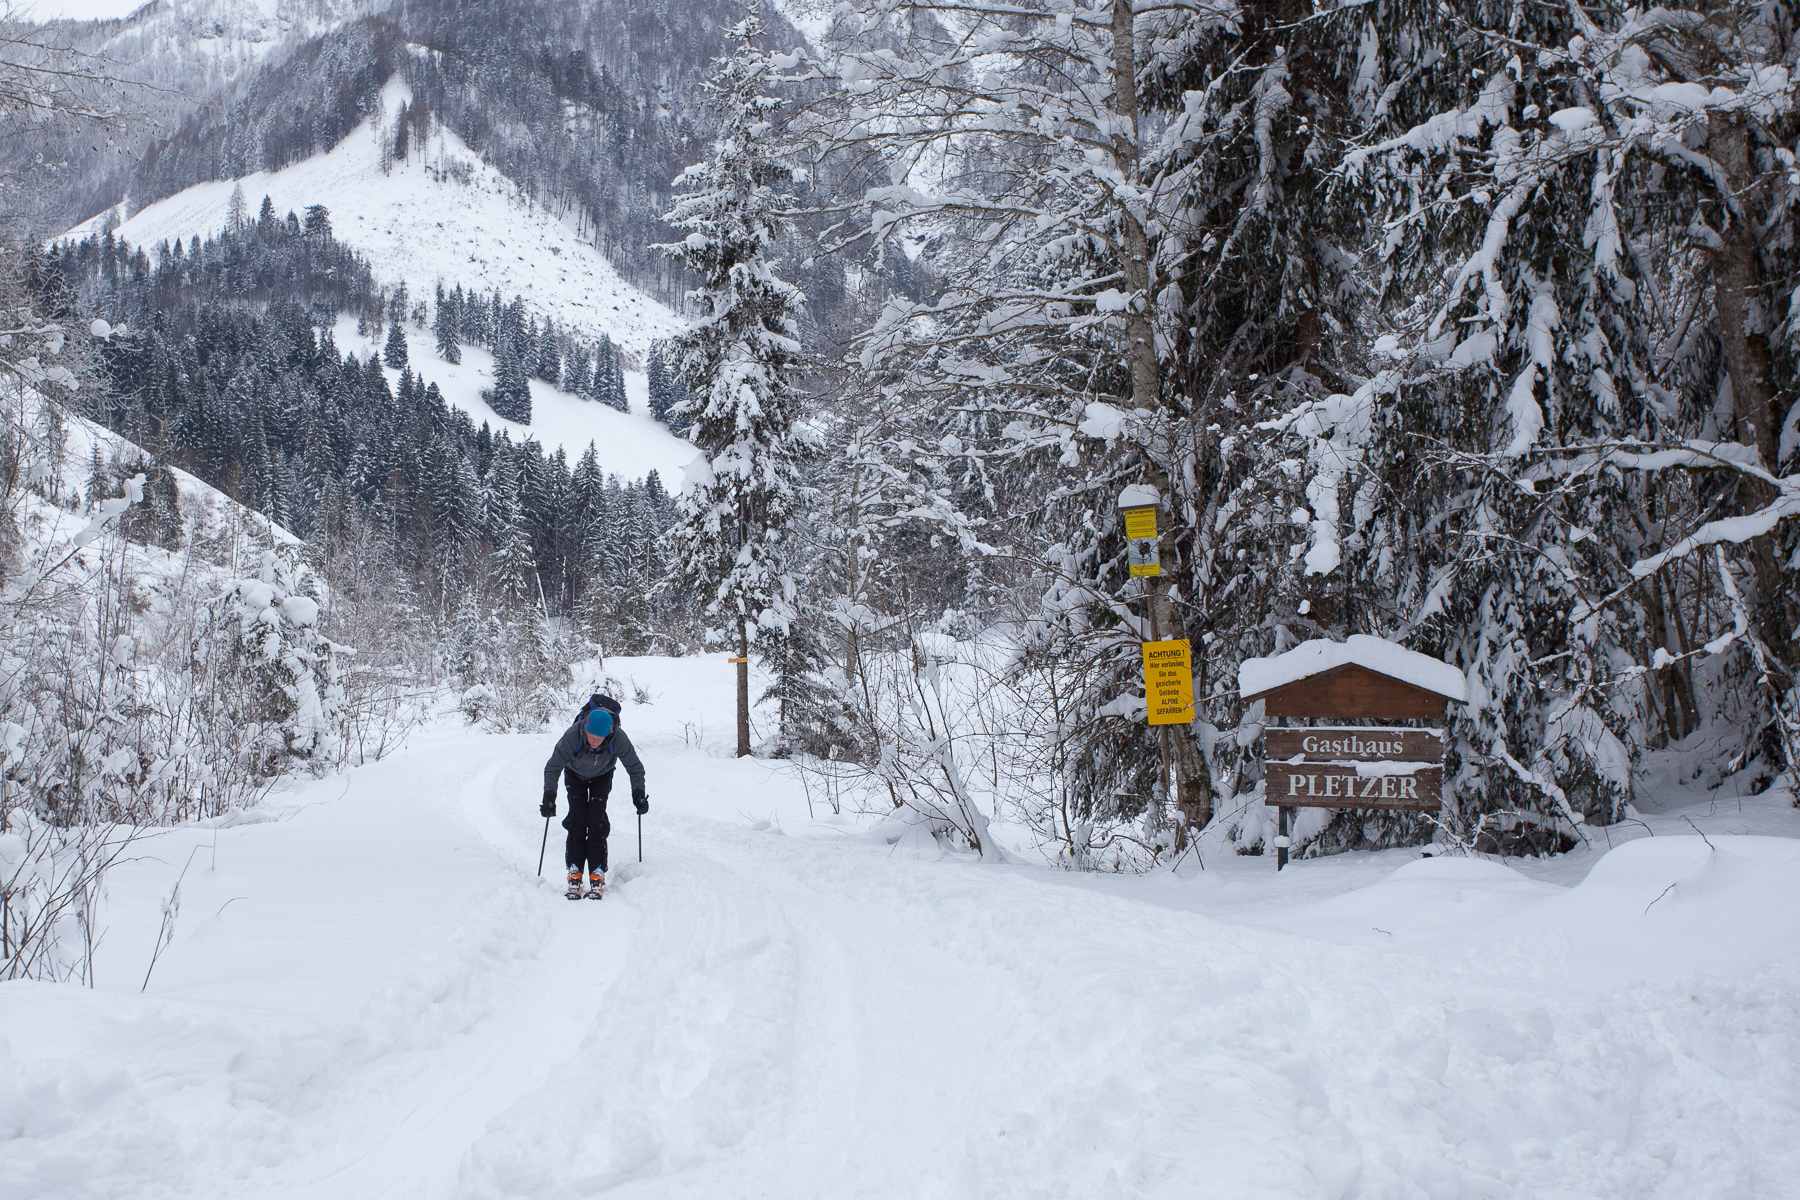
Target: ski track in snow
397	1008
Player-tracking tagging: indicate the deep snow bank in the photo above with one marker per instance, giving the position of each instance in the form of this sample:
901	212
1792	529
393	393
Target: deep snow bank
371	993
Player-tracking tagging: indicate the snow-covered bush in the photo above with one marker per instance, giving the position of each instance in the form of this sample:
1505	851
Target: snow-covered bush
926	726
147	687
511	668
50	878
286	669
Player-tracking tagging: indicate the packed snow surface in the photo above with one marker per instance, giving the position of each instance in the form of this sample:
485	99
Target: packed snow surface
1377	654
439	215
371	993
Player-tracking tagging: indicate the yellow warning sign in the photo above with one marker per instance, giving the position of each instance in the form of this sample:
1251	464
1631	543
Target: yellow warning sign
1169	682
1140	541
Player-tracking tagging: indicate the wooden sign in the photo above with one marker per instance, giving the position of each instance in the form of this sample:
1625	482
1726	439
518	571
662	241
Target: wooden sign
1353	785
1140	539
1344	766
1351	690
1169	682
1328	743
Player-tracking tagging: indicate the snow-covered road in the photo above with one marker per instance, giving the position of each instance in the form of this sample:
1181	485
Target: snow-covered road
374	996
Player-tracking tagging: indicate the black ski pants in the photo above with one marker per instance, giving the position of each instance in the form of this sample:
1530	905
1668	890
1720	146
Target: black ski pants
586	822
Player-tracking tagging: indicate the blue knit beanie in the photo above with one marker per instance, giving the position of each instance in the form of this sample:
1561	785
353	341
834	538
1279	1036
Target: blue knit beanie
599	722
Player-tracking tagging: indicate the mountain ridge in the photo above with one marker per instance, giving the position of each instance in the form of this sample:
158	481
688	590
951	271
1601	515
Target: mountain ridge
437	215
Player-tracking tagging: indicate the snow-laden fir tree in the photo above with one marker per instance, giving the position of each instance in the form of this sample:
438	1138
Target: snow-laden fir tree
512	566
237	209
1607	357
512	386
578	371
608	382
446	320
394	353
738	361
665	391
549	354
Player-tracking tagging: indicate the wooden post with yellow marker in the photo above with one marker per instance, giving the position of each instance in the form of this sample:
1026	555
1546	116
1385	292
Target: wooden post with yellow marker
1168	665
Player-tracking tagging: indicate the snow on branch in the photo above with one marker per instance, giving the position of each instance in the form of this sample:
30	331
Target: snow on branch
1737	529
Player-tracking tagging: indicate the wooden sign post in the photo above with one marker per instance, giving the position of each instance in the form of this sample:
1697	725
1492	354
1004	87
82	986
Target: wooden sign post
1344	766
743	703
1168	664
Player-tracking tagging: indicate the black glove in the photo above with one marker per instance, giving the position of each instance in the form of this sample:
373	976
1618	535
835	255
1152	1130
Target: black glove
548	807
641	802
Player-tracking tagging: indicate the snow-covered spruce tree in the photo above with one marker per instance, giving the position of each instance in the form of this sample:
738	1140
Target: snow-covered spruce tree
1593	385
578	374
397	305
1137	256
665	390
738	362
445	323
512	386
607	384
616	384
237	210
394	353
451	497
548	366
512	568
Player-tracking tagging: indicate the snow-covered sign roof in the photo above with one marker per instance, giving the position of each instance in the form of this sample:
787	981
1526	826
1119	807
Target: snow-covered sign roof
1258	675
1139	495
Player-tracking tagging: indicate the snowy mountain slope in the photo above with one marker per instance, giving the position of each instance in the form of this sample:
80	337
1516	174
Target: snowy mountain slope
206	511
200	47
783	1004
811	17
220	24
630	445
441	215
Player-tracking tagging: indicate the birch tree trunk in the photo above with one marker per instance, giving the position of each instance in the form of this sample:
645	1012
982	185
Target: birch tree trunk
1189	784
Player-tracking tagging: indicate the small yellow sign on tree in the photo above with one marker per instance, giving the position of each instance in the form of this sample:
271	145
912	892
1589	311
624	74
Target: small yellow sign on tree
1169	682
1140	540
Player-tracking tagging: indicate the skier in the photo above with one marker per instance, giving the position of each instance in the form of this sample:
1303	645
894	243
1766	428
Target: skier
586	756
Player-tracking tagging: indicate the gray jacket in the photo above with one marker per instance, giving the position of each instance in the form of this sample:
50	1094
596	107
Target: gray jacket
572	753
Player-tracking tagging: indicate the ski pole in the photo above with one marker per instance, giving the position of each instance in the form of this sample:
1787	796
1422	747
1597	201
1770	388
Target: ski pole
640	837
542	847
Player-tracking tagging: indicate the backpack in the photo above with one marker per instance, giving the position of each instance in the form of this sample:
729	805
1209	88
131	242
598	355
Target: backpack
600	700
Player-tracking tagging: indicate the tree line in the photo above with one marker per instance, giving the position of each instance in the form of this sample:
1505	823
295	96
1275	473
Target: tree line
1464	326
238	379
